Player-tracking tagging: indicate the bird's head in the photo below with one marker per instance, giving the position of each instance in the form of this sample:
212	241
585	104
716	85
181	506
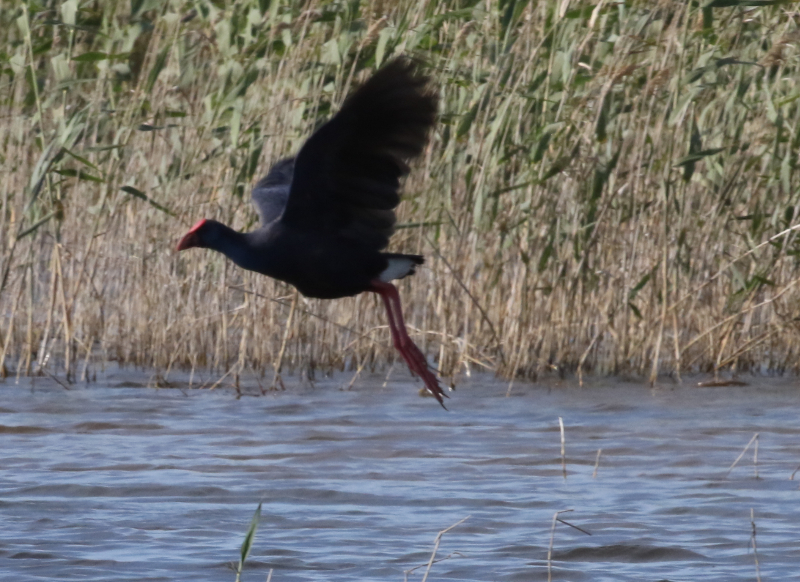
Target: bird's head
203	234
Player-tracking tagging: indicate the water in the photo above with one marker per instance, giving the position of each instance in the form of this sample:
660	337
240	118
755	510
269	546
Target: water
115	482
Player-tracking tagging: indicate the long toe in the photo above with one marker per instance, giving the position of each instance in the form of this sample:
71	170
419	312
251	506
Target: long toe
419	365
432	384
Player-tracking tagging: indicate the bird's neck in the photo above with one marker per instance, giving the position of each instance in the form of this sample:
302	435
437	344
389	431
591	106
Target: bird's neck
248	250
234	245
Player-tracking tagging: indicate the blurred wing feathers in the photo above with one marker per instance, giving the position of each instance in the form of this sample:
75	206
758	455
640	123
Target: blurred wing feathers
272	191
347	175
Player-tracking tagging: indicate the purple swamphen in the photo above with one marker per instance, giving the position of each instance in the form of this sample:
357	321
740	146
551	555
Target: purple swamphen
327	213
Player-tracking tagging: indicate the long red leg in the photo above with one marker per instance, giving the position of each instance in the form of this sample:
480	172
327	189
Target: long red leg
416	360
402	342
397	336
400	337
410	347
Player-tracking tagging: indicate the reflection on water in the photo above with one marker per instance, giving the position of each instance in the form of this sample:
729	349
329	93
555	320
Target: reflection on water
115	482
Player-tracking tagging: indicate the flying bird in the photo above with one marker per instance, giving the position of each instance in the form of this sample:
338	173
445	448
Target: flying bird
328	213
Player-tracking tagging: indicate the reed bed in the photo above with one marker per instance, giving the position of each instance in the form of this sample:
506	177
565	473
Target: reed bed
612	187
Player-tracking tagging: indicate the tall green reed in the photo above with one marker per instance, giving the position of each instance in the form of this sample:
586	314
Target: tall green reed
611	188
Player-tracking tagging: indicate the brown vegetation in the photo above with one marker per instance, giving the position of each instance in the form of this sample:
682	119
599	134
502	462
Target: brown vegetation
612	187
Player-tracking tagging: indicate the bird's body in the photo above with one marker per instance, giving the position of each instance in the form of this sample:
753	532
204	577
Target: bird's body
331	268
327	214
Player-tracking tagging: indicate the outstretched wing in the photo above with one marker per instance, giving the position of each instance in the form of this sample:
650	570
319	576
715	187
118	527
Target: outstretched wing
272	191
347	175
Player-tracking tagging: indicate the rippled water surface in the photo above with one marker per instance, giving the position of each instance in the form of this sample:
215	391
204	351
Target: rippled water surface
117	482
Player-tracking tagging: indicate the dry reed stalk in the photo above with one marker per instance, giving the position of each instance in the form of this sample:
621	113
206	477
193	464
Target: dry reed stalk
596	463
585	354
754	439
29	328
43	355
677	347
55	379
754	545
563	448
9	330
433	559
557	519
279	360
67	335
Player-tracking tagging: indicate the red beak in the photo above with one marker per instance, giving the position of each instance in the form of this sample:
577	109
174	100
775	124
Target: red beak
188	241
191	239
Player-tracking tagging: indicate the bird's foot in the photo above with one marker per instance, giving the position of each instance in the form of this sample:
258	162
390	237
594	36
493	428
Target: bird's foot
419	365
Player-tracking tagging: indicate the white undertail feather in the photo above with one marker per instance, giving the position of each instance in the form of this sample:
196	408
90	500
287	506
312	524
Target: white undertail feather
398	268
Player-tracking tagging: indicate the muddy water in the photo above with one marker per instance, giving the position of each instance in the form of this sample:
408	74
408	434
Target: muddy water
116	482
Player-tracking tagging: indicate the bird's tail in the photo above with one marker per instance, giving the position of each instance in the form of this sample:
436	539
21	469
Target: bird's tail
399	266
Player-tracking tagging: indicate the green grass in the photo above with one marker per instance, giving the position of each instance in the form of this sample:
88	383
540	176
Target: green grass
609	188
247	543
